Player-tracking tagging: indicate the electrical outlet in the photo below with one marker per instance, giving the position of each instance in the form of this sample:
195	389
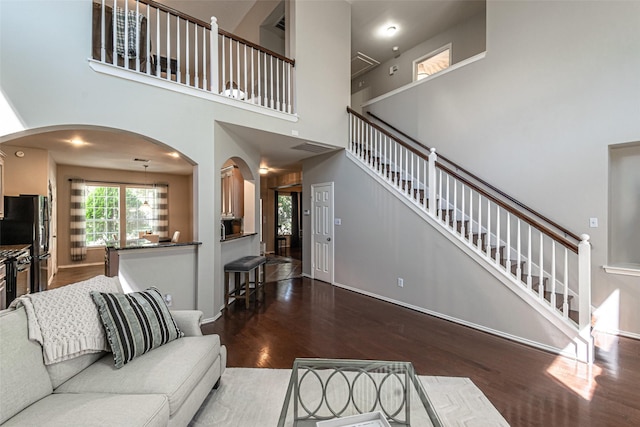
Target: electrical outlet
400	282
168	299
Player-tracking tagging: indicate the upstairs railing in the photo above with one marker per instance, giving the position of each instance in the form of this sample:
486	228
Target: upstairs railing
549	264
170	45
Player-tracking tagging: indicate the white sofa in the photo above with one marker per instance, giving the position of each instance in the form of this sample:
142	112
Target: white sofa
164	387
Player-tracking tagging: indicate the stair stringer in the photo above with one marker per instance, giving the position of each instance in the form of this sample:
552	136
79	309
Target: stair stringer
581	347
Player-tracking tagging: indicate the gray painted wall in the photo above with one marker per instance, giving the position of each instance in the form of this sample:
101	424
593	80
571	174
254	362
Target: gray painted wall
467	39
381	239
536	116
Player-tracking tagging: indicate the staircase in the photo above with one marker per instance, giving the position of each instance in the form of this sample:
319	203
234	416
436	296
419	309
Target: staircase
547	265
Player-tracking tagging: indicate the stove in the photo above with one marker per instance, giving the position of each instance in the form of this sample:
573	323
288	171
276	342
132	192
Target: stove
18	274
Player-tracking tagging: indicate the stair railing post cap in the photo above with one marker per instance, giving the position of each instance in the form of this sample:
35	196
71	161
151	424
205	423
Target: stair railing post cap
214	20
585	237
433	149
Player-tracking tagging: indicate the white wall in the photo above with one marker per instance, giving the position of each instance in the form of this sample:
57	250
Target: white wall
322	54
558	85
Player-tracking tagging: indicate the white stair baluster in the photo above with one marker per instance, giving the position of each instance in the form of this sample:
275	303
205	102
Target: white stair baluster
565	303
541	264
507	262
245	86
480	239
114	52
126	34
498	255
470	228
462	226
552	298
440	194
454	224
488	244
529	259
138	53
271	97
519	253
448	213
196	54
236	91
168	46
178	71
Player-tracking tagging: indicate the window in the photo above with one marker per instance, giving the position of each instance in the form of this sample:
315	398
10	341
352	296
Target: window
113	209
140	211
432	63
102	212
284	214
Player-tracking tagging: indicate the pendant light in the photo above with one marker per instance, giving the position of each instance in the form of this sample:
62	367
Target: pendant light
146	208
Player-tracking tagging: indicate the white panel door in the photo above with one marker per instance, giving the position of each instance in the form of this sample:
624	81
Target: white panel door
322	224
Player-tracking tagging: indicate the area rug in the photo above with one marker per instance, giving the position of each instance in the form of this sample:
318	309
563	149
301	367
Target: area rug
277	259
254	397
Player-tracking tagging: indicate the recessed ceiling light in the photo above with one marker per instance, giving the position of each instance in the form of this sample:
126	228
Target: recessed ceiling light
391	30
77	142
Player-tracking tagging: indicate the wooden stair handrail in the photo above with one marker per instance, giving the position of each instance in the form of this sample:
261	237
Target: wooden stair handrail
222	32
385	132
483	182
255	46
546	230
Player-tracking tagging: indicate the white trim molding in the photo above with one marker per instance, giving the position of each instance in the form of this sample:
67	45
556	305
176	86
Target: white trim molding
624	271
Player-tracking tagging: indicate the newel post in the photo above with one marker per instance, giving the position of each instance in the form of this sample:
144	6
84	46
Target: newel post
584	294
433	197
213	54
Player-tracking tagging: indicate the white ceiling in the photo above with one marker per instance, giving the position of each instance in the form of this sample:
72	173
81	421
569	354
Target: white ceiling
416	20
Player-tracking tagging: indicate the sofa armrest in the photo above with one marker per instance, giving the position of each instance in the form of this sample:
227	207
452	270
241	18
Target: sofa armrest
188	321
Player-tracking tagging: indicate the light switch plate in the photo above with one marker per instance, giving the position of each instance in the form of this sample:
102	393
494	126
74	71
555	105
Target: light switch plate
593	222
337	221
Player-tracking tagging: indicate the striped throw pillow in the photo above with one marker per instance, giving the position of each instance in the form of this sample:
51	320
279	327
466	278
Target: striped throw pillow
135	323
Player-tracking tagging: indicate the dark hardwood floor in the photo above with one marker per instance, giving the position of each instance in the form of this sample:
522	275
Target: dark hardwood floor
306	318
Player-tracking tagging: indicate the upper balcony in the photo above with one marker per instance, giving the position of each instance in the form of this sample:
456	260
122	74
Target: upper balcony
149	38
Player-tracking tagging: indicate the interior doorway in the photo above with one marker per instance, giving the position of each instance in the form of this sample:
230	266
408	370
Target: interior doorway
288	224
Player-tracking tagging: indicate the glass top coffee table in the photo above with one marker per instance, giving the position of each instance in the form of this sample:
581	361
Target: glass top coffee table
326	389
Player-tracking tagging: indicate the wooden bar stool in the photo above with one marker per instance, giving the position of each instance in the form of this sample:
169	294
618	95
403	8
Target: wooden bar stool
245	265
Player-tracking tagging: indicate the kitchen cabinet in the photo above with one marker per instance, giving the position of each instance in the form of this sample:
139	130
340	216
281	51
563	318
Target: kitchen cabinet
232	193
2	156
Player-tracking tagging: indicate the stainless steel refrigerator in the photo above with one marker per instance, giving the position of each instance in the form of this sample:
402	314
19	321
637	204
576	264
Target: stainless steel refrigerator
27	220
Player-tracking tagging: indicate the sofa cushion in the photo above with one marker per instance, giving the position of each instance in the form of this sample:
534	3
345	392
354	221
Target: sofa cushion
135	323
23	376
173	370
95	410
62	371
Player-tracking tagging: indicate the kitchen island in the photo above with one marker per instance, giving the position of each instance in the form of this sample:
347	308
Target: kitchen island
170	267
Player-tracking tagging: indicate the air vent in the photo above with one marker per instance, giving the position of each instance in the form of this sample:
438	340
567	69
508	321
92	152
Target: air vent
362	63
312	148
280	24
141	160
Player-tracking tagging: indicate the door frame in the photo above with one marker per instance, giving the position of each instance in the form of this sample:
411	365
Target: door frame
333	230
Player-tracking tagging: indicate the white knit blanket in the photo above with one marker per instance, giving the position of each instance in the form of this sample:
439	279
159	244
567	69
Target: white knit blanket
65	321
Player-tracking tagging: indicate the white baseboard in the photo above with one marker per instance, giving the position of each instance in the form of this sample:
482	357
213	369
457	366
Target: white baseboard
91	264
510	337
214	318
618	332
